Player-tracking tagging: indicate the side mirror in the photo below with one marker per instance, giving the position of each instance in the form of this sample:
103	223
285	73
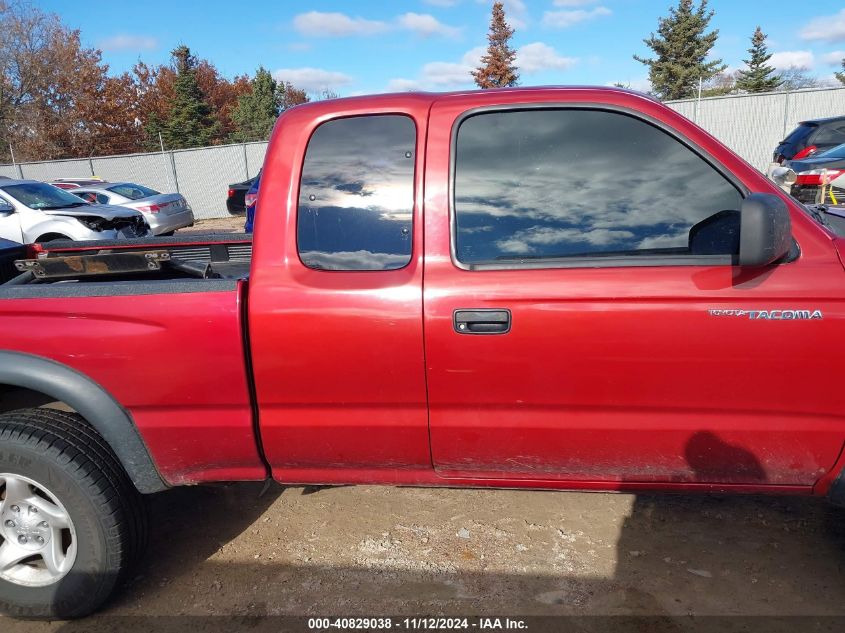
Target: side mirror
6	208
765	233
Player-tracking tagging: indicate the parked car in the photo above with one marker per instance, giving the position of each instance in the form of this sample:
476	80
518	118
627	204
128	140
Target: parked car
809	137
164	212
9	252
236	194
73	183
251	202
820	178
33	211
674	327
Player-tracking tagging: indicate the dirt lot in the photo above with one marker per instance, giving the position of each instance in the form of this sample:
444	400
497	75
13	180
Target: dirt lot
229	224
228	550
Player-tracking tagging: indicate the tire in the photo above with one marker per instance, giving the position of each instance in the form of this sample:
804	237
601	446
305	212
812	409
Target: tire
59	457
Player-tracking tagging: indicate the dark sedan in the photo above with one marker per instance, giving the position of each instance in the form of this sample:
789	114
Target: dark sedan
821	177
237	192
811	137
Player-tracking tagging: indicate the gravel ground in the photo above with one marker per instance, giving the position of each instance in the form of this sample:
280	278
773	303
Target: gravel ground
230	550
229	224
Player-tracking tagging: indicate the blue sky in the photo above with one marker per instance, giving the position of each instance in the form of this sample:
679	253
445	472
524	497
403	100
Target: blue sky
368	46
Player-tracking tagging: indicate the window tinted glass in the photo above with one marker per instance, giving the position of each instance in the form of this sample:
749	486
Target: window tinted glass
133	192
38	195
799	133
356	197
829	134
559	183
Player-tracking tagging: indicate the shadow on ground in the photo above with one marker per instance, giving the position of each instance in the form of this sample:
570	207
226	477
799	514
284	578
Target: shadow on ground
674	556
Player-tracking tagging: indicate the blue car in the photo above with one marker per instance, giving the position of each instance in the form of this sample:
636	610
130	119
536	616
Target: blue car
250	201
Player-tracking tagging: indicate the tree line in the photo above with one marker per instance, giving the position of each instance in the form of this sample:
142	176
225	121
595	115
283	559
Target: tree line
680	65
58	99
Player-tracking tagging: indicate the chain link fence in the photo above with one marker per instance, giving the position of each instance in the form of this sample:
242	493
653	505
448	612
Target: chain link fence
751	125
202	175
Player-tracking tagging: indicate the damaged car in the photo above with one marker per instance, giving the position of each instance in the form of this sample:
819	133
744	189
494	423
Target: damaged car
33	211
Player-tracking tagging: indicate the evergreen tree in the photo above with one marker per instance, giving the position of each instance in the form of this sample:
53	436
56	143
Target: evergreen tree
190	122
152	129
759	77
497	69
841	76
257	111
681	46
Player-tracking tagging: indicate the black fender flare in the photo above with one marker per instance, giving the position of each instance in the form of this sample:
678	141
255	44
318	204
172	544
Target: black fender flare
93	403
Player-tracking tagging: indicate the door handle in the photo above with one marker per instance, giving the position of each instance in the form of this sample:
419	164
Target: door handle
482	321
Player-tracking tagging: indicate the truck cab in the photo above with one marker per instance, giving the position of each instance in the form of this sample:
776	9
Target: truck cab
557	288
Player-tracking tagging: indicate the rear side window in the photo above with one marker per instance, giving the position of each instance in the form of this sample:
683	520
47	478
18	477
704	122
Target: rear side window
133	192
832	134
356	197
798	134
551	184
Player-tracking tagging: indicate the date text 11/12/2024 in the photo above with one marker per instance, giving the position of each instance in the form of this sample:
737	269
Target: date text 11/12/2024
418	623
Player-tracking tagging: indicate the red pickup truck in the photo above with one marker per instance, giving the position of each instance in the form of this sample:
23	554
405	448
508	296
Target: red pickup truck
571	288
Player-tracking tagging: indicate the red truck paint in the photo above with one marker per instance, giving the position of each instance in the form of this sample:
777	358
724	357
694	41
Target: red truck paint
175	361
611	378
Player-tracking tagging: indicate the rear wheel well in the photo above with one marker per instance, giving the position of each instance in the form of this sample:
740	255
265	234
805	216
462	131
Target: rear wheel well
49	237
30	380
13	397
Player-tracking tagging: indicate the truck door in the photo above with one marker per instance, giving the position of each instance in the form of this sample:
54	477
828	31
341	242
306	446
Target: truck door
336	296
584	321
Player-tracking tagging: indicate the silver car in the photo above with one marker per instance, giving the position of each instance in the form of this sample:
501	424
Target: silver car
33	211
164	212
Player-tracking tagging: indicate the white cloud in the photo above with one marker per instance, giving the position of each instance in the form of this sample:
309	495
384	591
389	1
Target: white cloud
128	42
426	25
319	24
538	56
834	59
531	58
526	240
441	3
786	60
573	3
441	75
565	19
825	28
312	79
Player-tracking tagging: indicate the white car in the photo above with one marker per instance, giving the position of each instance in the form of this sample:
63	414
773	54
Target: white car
164	212
33	211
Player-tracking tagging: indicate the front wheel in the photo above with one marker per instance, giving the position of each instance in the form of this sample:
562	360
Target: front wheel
70	520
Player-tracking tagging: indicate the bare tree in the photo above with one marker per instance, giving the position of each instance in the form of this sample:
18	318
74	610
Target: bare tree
797	79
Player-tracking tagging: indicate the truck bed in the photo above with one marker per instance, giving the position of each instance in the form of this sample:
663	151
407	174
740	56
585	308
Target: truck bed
200	257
